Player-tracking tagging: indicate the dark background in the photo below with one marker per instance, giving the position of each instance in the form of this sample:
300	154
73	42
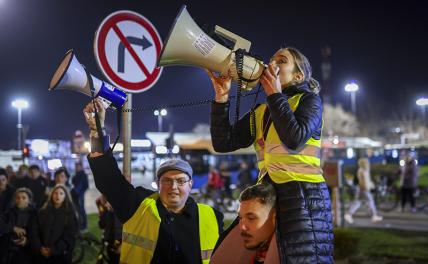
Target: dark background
382	45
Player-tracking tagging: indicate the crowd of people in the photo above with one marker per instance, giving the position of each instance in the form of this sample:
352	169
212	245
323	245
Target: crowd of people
40	216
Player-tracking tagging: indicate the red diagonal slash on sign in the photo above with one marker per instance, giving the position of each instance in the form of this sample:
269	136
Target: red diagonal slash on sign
111	24
131	50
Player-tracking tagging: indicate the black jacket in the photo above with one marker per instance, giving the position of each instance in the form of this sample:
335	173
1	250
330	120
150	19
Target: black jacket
6	198
178	240
14	217
55	228
38	187
304	220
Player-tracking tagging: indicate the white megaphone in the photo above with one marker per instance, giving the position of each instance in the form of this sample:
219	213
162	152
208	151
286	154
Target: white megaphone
71	75
188	45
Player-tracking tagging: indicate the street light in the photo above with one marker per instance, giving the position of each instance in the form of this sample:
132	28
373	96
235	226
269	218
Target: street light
422	102
20	104
160	113
352	88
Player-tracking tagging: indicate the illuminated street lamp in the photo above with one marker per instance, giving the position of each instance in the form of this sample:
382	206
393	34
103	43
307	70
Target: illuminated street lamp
20	104
160	113
422	102
352	88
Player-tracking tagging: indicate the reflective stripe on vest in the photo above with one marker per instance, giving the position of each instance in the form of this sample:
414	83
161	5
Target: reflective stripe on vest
141	231
208	231
282	164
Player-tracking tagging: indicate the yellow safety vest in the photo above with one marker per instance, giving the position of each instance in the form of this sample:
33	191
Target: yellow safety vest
282	164
140	233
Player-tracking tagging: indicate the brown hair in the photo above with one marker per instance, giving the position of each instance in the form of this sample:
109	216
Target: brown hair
303	65
68	204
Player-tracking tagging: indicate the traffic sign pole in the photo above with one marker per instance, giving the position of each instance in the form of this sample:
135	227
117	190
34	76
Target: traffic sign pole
126	138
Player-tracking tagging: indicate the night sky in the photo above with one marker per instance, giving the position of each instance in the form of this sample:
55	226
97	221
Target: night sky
382	45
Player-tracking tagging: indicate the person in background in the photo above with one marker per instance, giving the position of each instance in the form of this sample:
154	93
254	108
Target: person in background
226	176
53	234
10	172
251	238
6	191
214	186
408	182
365	185
80	185
245	179
112	229
21	179
61	176
38	185
14	229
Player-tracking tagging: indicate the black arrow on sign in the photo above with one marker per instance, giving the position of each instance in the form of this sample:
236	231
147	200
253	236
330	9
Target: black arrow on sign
143	42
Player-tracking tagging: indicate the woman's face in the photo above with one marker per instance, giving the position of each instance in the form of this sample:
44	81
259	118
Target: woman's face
3	182
61	178
22	200
58	197
288	72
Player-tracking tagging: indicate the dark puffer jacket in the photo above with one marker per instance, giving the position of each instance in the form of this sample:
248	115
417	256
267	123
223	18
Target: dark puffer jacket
305	229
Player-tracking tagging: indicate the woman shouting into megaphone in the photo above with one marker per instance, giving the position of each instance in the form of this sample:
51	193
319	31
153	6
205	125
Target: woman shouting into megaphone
286	134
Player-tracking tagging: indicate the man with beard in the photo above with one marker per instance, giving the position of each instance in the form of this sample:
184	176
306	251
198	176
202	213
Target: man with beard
251	238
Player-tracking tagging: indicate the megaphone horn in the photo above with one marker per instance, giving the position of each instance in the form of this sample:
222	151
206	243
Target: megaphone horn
71	75
188	45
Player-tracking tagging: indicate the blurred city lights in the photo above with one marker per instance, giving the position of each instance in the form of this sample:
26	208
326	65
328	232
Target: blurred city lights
176	149
351	87
54	164
422	101
161	150
160	113
40	146
349	153
20	104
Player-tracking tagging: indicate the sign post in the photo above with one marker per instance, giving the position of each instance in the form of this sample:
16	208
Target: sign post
127	47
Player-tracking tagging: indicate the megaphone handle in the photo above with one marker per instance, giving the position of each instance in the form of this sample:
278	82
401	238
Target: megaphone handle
97	118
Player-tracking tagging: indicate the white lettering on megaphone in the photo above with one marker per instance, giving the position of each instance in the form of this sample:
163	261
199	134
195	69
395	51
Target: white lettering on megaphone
108	86
204	44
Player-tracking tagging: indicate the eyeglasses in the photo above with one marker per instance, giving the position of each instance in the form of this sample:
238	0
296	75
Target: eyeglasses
170	182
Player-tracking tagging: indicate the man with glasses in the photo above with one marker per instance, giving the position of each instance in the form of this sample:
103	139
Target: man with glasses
166	226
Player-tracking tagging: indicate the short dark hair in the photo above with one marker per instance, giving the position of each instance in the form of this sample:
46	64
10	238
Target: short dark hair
34	167
3	172
60	170
264	192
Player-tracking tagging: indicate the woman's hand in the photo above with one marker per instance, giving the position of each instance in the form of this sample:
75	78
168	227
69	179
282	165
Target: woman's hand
221	86
46	252
270	80
22	241
20	232
89	113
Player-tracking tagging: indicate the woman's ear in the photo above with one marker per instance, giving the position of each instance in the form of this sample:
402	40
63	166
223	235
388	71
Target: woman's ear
298	76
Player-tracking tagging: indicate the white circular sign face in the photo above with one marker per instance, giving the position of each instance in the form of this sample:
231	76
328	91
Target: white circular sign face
127	47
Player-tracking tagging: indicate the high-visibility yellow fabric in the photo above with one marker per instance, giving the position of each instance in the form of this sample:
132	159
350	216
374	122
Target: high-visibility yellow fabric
140	233
282	164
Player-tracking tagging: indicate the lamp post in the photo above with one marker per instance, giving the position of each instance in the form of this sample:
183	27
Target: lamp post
352	88
19	105
160	114
422	102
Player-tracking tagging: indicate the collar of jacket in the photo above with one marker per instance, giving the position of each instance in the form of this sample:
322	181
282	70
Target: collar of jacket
296	89
189	209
